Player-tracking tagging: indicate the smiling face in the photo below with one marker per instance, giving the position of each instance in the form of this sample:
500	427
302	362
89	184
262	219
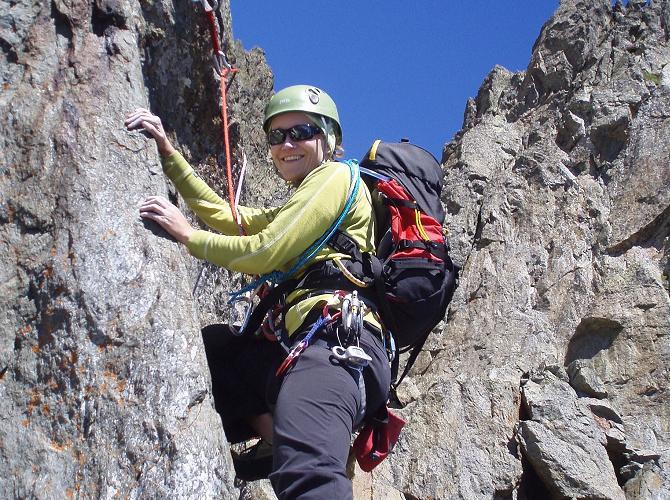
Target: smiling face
295	159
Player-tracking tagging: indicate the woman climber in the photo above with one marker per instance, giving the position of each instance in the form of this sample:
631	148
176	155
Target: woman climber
306	403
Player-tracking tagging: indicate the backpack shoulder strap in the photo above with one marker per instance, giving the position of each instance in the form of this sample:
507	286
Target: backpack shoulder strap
343	243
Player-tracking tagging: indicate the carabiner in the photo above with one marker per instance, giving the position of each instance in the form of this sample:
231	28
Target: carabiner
220	63
241	312
353	311
290	359
346	312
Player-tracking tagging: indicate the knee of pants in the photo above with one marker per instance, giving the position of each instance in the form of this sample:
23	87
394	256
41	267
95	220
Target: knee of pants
316	407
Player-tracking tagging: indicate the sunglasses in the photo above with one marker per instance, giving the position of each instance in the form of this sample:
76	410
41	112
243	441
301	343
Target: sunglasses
301	132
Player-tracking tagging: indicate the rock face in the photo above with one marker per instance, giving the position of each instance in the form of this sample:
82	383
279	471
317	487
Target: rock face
103	377
550	378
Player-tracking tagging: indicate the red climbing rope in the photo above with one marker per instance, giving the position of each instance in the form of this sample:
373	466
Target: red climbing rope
226	142
227	73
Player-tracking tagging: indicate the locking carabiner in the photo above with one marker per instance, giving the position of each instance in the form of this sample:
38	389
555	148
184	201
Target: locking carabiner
353	311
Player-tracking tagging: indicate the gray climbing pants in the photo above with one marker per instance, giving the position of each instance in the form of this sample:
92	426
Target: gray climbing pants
315	405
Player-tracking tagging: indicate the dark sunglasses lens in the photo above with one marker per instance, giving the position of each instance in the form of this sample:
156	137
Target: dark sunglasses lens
302	132
276	136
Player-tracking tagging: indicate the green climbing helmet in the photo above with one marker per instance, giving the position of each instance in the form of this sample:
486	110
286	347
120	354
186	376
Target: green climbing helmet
306	98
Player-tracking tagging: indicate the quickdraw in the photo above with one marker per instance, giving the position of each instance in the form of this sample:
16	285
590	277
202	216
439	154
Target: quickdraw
226	73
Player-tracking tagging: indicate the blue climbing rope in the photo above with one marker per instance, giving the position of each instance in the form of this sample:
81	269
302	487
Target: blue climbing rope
276	277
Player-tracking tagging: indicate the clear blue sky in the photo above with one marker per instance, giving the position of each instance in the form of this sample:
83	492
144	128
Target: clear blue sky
395	69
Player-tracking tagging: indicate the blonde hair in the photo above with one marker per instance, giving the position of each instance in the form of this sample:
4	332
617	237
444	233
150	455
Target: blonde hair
328	127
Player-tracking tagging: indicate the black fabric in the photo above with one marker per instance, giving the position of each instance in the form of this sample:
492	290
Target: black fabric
242	370
439	250
401	203
272	298
412	294
415	169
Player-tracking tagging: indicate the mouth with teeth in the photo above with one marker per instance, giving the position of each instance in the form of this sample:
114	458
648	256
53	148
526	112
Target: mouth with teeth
292	158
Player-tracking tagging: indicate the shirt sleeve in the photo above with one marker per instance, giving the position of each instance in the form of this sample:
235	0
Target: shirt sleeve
207	205
307	215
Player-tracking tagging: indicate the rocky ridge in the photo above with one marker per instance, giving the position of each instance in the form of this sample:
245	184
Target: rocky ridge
550	378
102	371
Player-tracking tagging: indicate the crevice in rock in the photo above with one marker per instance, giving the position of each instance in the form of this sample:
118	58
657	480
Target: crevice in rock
513	447
524	411
476	243
653	234
504	494
10	54
627	462
103	19
592	336
611	138
618	462
530	484
565	140
61	23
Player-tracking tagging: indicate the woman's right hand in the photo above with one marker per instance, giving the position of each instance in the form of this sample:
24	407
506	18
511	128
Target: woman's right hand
143	118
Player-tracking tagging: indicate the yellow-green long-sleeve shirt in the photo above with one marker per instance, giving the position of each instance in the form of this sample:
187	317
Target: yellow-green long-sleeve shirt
276	237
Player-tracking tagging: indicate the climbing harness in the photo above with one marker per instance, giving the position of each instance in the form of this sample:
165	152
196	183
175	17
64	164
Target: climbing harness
351	315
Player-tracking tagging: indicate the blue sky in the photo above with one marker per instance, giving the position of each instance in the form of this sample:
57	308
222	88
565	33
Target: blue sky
395	68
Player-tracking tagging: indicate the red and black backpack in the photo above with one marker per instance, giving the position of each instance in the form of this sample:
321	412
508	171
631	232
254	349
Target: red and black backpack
412	273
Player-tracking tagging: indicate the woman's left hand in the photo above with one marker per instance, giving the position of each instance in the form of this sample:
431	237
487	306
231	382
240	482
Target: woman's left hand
158	209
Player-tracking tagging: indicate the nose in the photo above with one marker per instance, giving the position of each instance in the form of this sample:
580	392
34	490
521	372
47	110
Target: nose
288	142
